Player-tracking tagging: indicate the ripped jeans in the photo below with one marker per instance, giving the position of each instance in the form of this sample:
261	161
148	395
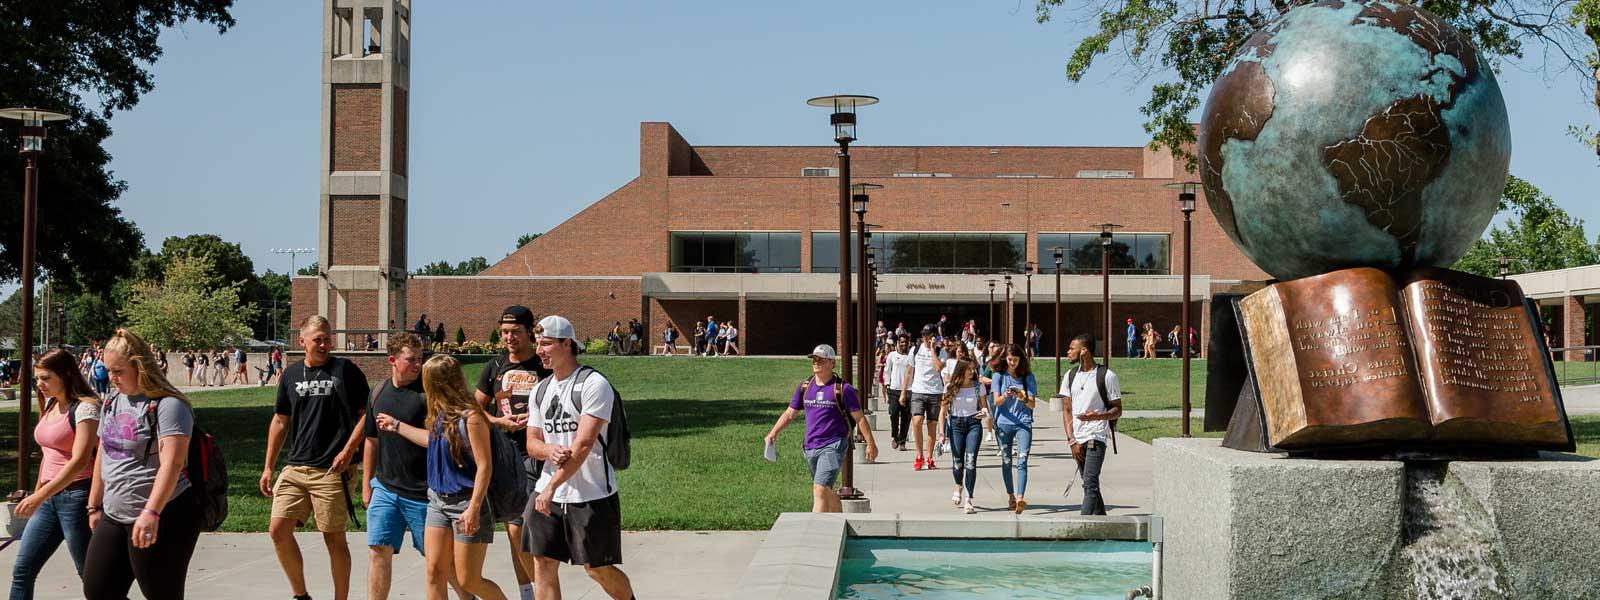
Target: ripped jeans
1021	437
965	435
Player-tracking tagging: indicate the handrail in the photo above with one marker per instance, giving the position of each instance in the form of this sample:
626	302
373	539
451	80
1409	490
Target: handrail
1576	370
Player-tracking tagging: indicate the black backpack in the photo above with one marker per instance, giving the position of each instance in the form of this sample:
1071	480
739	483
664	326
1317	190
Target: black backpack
206	469
508	488
1100	383
617	441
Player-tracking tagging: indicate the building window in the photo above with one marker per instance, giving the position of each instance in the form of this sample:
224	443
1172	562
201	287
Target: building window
735	252
1131	253
927	252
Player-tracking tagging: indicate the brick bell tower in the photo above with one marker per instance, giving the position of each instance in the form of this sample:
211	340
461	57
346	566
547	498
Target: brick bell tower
366	80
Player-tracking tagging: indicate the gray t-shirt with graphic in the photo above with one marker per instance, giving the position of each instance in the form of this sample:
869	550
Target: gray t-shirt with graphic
128	473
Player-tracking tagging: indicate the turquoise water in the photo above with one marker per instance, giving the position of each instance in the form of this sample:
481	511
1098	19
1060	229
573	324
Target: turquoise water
966	569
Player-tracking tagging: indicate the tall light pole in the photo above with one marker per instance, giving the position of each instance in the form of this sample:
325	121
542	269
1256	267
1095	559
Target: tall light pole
31	146
292	252
1186	196
1105	285
858	201
990	324
843	120
1055	253
1011	311
1027	319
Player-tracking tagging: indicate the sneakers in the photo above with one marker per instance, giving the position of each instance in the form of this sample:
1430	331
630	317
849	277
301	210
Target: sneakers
929	466
918	465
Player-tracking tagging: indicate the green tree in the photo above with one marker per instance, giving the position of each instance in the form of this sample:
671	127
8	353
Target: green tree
471	266
192	307
522	240
461	336
65	56
1538	236
308	270
272	318
1184	45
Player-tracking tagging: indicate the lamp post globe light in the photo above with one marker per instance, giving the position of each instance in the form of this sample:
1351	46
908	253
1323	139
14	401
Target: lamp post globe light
843	120
1056	253
1187	191
31	145
1505	266
1105	279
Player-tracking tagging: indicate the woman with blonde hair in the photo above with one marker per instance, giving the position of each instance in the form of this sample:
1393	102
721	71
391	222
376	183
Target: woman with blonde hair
1150	339
69	414
460	464
145	518
962	410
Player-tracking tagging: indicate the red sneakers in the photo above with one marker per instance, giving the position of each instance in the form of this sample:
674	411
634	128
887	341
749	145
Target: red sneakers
918	465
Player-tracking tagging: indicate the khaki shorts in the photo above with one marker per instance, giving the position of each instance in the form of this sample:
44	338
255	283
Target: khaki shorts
304	491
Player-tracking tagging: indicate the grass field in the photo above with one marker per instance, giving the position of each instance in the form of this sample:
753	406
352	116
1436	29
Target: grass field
697	423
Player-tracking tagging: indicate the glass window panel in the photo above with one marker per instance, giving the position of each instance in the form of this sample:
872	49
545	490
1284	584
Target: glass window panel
1150	250
1047	261
1008	251
937	252
721	251
902	252
825	252
1122	251
783	253
1084	249
750	251
972	252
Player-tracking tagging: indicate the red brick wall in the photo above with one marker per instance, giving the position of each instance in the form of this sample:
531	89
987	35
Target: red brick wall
398	125
885	161
397	234
362	312
1572	321
474	303
355	230
303	300
357	119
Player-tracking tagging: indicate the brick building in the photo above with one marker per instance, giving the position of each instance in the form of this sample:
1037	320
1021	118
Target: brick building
749	234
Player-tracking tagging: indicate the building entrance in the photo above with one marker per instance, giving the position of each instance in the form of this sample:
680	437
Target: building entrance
916	315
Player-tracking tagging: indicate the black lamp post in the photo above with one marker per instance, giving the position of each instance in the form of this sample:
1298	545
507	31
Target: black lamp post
61	326
1105	277
843	120
990	324
858	202
1027	319
1055	252
31	146
1505	266
1010	313
1186	196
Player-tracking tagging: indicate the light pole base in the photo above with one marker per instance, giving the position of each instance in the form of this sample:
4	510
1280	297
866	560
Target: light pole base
872	421
858	453
855	505
13	525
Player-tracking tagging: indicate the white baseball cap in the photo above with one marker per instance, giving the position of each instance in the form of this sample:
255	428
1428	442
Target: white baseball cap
824	351
556	326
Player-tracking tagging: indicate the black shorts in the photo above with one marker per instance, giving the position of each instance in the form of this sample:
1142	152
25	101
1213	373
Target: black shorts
581	533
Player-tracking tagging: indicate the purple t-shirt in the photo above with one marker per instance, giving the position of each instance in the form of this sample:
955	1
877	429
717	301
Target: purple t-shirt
824	424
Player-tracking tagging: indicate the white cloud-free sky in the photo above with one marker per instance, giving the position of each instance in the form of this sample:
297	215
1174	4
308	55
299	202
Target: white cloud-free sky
524	113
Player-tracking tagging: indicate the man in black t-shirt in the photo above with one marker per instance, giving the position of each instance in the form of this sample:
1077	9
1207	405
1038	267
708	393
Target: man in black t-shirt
395	471
322	400
503	388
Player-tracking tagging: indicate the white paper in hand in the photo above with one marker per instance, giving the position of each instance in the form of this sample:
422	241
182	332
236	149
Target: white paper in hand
771	454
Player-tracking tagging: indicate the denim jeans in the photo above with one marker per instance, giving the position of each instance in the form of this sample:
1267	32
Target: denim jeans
1094	457
60	517
965	435
1019	437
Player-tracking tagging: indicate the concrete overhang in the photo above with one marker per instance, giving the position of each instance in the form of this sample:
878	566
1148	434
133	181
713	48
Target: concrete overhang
1549	287
906	288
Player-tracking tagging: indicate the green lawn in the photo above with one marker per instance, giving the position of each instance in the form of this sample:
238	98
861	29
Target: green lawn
698	424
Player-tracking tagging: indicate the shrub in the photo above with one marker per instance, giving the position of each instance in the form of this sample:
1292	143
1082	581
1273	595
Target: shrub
596	346
461	336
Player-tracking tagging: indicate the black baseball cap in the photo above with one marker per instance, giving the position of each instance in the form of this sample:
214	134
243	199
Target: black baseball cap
517	314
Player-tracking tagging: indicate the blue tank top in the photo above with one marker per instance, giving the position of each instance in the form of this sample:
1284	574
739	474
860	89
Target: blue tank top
444	477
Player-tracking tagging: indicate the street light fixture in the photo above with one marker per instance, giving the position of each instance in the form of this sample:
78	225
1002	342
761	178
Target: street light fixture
1027	319
990	325
31	145
843	120
858	201
1056	252
1010	312
1105	277
1505	266
1187	192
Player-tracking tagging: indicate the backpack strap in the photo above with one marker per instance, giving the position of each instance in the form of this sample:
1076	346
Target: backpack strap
1100	381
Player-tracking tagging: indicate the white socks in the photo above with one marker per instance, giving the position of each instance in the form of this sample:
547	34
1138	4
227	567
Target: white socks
527	591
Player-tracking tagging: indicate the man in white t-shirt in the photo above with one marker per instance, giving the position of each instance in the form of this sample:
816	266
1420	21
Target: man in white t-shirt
894	378
922	386
576	516
1088	424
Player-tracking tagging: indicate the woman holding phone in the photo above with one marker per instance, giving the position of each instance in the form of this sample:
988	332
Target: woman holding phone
69	417
460	465
1015	394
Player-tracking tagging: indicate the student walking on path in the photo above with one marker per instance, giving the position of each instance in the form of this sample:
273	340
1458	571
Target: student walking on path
963	408
396	487
321	400
460	523
1015	393
504	390
577	515
922	387
69	417
145	518
1095	397
895	366
830	406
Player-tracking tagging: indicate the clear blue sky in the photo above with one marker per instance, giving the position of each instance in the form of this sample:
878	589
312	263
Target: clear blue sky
524	113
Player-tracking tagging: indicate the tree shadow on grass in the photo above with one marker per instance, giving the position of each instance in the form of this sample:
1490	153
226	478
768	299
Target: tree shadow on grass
678	417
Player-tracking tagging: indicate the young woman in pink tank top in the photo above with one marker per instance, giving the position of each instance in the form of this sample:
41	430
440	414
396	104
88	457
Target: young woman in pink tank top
67	436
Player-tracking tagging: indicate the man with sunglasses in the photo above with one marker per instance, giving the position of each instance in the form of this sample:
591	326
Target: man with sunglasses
830	406
503	388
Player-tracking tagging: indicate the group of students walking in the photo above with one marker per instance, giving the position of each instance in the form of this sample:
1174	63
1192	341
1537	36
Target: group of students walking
533	446
945	393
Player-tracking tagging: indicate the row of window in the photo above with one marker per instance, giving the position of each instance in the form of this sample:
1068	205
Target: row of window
779	252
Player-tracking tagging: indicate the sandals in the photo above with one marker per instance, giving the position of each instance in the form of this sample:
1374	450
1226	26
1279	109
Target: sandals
968	508
1021	506
955	498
